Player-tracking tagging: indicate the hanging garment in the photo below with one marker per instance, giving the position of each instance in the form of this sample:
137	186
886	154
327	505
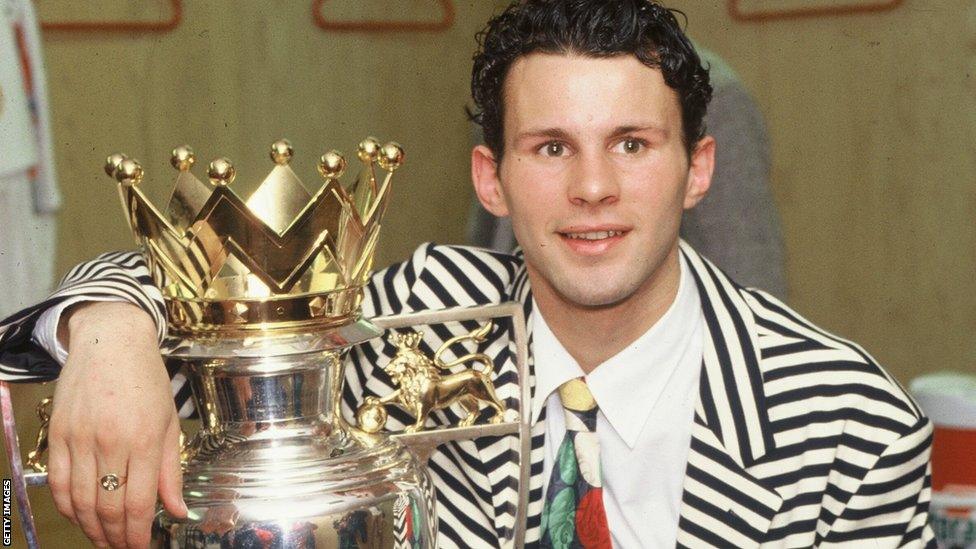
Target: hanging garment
29	196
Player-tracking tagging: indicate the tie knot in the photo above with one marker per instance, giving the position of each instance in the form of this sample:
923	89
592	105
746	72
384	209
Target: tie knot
579	404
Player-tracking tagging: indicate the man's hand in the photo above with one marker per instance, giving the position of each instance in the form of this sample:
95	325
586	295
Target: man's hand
113	413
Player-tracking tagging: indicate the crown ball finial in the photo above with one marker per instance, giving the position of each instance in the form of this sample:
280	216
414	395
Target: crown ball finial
128	172
221	172
332	165
182	158
112	163
282	151
391	156
369	149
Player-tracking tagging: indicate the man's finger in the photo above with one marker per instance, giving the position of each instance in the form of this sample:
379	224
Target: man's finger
140	499
110	505
84	495
171	474
59	478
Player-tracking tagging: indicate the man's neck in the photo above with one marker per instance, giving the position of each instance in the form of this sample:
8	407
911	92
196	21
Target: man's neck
592	335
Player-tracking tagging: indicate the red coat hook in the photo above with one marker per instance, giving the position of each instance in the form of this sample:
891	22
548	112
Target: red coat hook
736	12
176	16
372	25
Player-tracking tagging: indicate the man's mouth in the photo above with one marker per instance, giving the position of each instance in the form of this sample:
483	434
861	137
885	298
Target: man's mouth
592	241
592	235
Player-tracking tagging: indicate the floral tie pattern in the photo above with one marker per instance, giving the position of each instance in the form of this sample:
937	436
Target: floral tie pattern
573	516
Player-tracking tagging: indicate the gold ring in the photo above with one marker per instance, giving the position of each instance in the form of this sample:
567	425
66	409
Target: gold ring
111	482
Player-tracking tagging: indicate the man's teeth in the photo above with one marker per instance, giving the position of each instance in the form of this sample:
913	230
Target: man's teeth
595	235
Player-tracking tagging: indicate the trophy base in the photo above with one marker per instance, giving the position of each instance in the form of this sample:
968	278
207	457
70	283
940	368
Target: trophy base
389	522
351	496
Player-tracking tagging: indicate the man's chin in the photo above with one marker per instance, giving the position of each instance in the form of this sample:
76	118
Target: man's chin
596	296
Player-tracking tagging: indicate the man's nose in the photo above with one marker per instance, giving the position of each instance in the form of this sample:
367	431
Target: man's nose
595	181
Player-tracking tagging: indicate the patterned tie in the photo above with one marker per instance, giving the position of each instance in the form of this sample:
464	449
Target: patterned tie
573	516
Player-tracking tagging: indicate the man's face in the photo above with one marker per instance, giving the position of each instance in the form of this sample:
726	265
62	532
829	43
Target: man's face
595	174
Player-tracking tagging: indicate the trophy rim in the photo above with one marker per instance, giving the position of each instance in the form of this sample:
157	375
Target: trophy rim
256	344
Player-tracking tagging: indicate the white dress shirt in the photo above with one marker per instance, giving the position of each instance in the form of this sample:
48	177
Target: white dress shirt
647	395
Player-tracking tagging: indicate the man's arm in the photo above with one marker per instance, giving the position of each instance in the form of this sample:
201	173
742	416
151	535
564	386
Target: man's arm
891	504
113	399
112	406
120	276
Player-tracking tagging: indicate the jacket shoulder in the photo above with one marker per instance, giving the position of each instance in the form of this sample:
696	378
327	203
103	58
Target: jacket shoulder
439	276
816	382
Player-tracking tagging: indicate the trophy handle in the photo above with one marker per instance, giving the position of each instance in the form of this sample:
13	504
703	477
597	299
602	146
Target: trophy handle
20	479
423	442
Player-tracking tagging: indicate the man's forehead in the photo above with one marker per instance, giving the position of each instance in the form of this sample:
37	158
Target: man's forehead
544	91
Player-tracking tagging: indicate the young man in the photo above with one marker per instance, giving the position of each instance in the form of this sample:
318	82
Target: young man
711	415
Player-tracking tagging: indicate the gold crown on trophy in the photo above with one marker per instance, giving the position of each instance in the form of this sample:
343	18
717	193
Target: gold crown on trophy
281	260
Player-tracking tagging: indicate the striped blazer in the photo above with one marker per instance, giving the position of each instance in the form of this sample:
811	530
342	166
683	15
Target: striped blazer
799	438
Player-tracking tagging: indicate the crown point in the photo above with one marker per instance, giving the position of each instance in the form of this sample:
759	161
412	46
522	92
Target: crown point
332	165
129	172
221	172
182	158
112	163
281	152
369	149
391	156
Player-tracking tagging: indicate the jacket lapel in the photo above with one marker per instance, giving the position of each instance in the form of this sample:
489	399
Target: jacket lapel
723	503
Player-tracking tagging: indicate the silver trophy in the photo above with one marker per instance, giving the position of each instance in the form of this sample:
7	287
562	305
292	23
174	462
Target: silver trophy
263	299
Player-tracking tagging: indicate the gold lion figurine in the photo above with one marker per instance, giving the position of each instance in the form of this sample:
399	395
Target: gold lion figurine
423	388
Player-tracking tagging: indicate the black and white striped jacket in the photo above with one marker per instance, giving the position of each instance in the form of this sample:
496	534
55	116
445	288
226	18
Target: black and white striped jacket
799	439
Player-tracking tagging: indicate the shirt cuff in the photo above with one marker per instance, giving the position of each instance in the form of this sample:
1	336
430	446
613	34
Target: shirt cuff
45	332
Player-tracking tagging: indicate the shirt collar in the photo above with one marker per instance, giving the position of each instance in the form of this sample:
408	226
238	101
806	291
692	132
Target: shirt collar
553	363
628	385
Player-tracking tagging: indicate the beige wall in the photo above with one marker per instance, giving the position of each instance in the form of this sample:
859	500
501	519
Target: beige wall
871	119
234	77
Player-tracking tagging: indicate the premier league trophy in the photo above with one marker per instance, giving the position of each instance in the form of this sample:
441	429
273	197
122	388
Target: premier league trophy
263	301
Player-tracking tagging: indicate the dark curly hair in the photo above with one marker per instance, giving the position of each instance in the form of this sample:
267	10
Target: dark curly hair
594	28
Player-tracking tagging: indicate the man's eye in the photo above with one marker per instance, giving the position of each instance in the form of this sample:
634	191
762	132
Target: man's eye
630	146
553	148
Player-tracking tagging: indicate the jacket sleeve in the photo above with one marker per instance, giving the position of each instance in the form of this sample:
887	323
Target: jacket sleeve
116	276
891	505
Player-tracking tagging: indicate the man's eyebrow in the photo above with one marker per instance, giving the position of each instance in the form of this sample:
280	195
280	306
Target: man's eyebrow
554	133
562	134
640	128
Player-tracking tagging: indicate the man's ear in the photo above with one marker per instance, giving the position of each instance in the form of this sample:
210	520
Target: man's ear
700	171
487	185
